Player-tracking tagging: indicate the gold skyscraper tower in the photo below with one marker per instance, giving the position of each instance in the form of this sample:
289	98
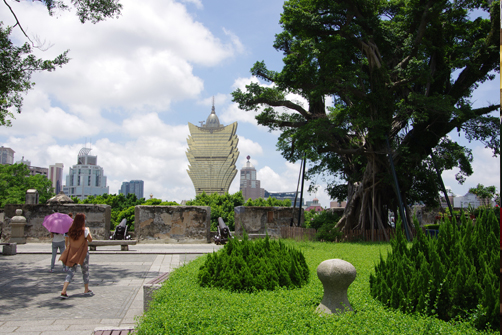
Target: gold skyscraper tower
212	153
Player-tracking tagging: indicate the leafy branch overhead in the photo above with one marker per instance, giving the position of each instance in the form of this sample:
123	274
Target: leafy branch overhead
372	70
18	62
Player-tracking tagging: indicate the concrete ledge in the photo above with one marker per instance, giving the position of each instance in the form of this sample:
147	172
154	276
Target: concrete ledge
9	248
150	288
124	244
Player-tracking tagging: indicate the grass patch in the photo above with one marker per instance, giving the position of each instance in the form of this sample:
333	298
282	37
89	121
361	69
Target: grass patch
181	306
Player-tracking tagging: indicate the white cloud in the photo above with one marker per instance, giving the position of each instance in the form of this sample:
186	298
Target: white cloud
232	113
142	60
248	147
486	171
197	3
239	47
219	100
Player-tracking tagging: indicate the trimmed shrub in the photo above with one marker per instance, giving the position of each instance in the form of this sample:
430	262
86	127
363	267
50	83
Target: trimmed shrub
249	266
451	277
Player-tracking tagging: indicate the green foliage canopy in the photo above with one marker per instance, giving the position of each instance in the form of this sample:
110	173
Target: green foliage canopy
118	203
485	193
221	206
17	64
15	180
397	70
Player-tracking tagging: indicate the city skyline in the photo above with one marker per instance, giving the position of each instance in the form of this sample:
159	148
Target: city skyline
134	82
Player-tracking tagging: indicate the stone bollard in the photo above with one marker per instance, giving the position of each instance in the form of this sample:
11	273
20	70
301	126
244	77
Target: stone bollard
17	224
31	197
336	275
10	249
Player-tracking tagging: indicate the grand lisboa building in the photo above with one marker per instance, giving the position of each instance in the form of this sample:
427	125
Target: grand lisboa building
212	154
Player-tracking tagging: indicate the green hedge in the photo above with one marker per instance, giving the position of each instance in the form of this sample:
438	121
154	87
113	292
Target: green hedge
451	277
249	266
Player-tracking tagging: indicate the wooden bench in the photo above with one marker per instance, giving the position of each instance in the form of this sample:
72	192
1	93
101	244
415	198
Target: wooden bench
124	244
152	286
9	248
114	331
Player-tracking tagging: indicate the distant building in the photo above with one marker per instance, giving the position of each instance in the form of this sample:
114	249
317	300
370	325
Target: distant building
86	177
443	202
212	153
472	199
337	204
249	185
133	186
6	155
34	170
285	195
313	205
56	176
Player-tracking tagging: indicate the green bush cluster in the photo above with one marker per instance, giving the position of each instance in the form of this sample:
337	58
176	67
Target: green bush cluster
269	202
221	206
325	223
249	266
450	277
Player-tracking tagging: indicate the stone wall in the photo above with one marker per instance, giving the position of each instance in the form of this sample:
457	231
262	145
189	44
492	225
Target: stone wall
261	220
97	219
172	224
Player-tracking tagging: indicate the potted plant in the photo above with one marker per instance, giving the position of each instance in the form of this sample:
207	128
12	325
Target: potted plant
471	210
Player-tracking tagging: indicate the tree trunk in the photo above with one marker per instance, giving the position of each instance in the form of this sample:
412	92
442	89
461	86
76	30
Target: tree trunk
371	195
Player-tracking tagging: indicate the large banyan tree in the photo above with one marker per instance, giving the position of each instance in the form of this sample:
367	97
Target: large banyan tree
400	72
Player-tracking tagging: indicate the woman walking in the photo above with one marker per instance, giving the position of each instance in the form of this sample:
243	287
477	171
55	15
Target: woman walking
77	253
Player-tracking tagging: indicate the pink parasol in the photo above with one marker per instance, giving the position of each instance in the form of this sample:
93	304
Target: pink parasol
58	223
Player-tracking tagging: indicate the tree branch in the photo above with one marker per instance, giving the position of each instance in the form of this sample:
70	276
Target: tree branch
283	103
418	38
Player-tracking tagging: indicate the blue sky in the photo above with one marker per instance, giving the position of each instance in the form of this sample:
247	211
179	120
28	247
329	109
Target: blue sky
135	82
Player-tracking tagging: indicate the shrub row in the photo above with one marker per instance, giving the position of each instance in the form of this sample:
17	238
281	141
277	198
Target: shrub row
453	276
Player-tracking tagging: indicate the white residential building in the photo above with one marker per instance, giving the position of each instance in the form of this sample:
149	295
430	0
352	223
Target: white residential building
86	177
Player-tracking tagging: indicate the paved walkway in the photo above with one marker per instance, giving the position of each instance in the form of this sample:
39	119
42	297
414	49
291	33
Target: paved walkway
29	293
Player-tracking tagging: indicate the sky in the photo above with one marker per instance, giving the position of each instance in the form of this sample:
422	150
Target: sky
133	84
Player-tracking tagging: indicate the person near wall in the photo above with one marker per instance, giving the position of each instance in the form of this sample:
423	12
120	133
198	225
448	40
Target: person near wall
58	242
77	253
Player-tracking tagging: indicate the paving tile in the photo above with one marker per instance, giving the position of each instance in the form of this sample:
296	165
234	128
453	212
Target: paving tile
110	322
76	321
81	327
4	329
39	327
18	323
66	332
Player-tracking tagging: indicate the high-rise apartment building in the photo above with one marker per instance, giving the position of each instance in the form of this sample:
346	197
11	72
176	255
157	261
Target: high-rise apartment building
6	155
285	195
86	177
212	153
249	185
56	176
34	170
133	186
